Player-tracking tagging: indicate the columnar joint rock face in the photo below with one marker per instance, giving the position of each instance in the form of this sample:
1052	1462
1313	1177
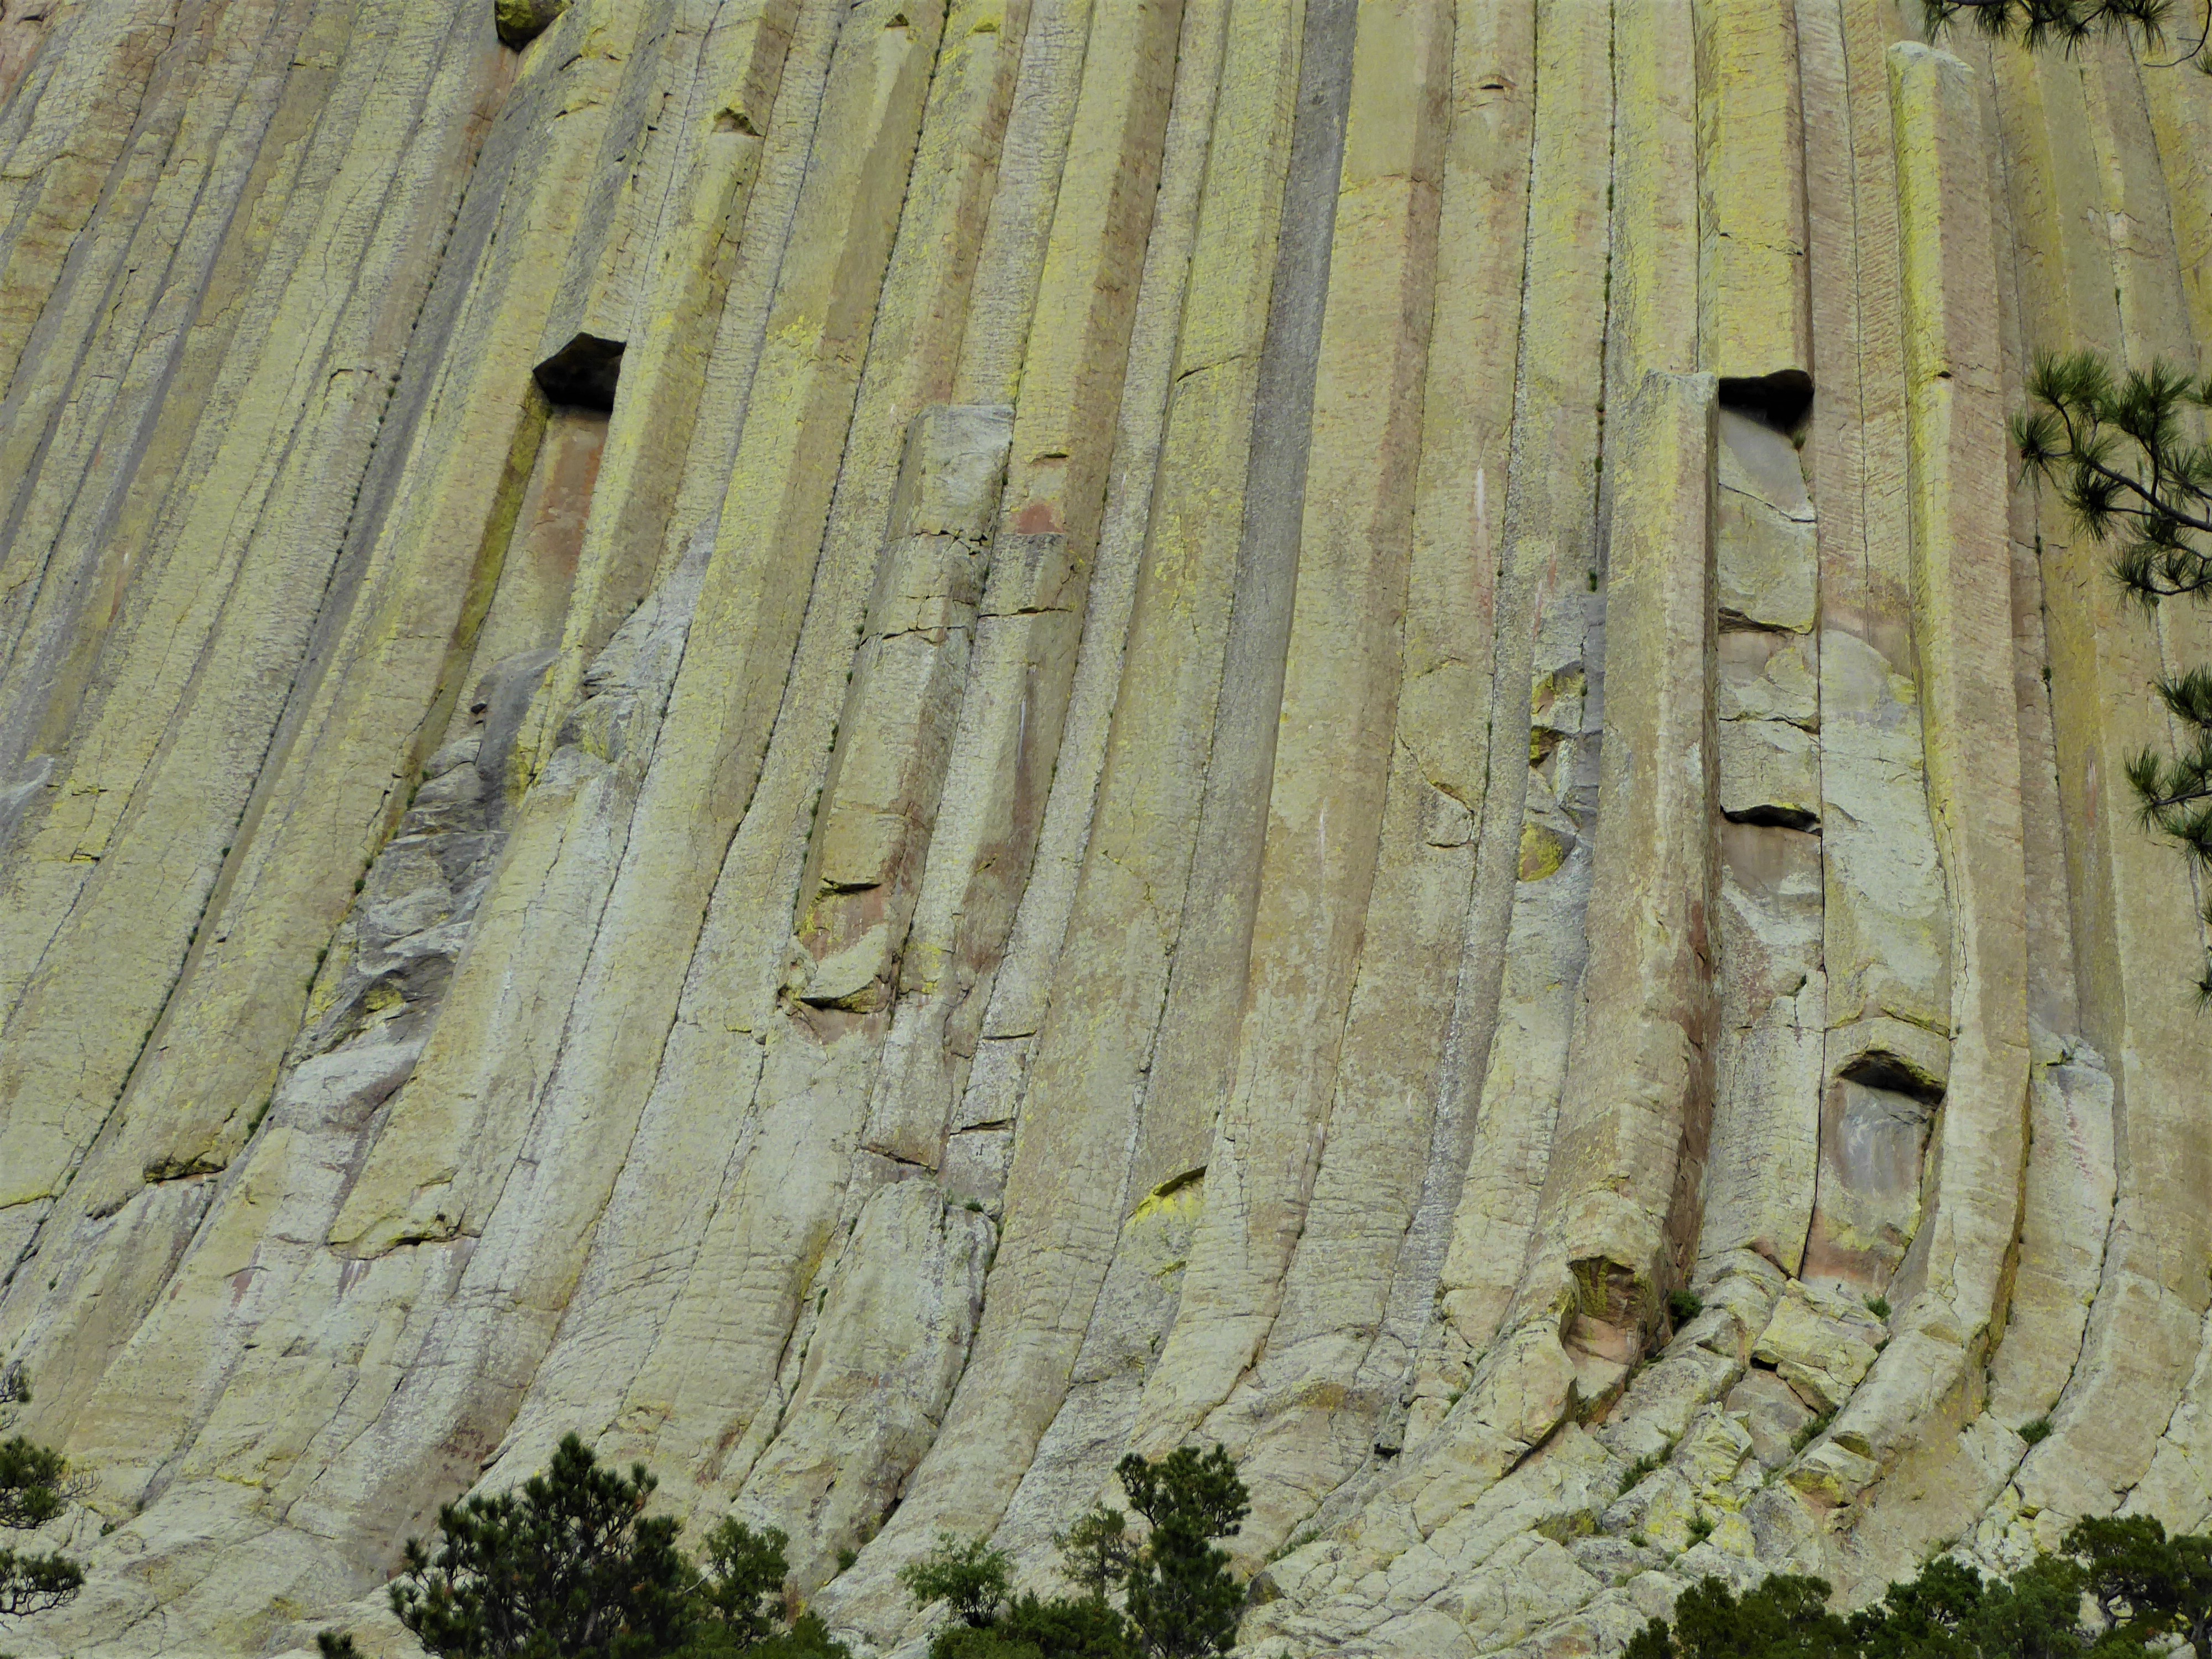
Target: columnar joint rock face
880	748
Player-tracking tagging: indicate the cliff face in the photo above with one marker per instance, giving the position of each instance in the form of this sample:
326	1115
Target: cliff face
877	746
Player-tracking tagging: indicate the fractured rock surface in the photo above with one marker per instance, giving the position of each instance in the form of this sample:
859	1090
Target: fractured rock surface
881	746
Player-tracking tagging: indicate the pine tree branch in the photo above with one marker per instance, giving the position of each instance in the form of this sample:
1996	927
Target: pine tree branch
2070	23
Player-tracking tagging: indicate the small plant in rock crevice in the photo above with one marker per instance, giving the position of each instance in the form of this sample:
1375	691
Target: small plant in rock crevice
1812	1431
1632	1476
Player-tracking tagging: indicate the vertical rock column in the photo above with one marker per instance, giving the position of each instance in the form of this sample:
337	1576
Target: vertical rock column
1618	1211
182	671
1754	323
1523	948
1064	1194
704	1341
1907	1419
2134	954
1773	994
522	1139
2176	1488
726	88
879	802
2068	1200
1442	762
1014	706
1137	1299
1621	1202
1754	331
1884	925
1318	924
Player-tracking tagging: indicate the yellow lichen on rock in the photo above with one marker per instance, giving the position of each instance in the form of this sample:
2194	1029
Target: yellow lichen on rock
880	748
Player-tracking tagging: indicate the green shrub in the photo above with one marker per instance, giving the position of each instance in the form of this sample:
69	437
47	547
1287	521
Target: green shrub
1182	1600
2118	1587
971	1578
966	1642
743	1580
1632	1476
1031	1628
570	1564
1097	1551
1811	1430
807	1639
571	1567
1087	1628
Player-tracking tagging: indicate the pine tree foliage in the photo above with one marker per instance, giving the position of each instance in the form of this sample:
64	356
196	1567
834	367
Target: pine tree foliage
1181	1601
2119	1588
2069	23
36	1583
570	1566
741	1590
2126	455
35	1487
1097	1551
32	1481
1181	1598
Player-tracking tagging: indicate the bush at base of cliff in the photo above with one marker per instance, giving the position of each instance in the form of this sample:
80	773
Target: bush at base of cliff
1181	1601
2117	1588
807	1639
1031	1628
571	1567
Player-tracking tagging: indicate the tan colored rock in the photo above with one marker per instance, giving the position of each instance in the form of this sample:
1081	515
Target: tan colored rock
1753	320
1768	563
1769	774
1773	1416
1614	1229
1385	794
1818	1345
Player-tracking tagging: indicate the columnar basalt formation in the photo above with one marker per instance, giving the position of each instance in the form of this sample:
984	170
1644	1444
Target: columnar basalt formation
880	746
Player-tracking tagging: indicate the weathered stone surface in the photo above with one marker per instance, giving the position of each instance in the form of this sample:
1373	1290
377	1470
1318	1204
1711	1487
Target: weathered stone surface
1819	1344
1192	739
1774	1415
1770	773
1769	572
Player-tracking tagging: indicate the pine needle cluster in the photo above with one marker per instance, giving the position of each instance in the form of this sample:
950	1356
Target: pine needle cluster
35	1487
2122	452
2072	23
2125	454
570	1566
2117	1588
1178	1598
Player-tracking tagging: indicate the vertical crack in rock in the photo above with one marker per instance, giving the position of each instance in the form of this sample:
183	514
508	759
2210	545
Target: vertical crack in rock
876	749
